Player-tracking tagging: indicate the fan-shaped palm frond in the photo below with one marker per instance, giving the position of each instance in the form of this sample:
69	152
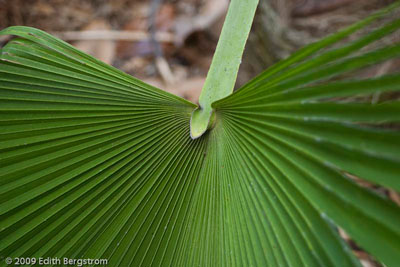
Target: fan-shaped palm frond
97	164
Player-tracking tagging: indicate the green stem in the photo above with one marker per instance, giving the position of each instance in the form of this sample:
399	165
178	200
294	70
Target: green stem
225	65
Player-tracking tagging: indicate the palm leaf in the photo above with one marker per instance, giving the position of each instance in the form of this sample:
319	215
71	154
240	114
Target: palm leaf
97	164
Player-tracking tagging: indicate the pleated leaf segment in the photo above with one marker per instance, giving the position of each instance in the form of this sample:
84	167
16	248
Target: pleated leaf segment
97	164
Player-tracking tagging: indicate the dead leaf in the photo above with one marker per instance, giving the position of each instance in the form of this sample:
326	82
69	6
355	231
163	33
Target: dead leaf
394	196
209	14
189	89
104	49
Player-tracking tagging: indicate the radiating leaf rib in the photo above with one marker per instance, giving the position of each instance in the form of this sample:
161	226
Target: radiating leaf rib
150	236
382	144
266	169
289	241
317	75
146	115
141	88
23	78
257	215
97	164
80	181
386	83
313	48
241	231
61	163
158	260
360	112
333	184
69	51
66	149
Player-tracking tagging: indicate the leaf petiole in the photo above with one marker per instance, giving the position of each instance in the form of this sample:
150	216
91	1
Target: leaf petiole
225	65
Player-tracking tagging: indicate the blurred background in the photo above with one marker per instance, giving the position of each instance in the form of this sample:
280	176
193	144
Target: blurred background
170	43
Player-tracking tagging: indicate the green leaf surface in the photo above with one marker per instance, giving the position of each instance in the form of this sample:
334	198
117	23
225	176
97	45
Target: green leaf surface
225	64
97	164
